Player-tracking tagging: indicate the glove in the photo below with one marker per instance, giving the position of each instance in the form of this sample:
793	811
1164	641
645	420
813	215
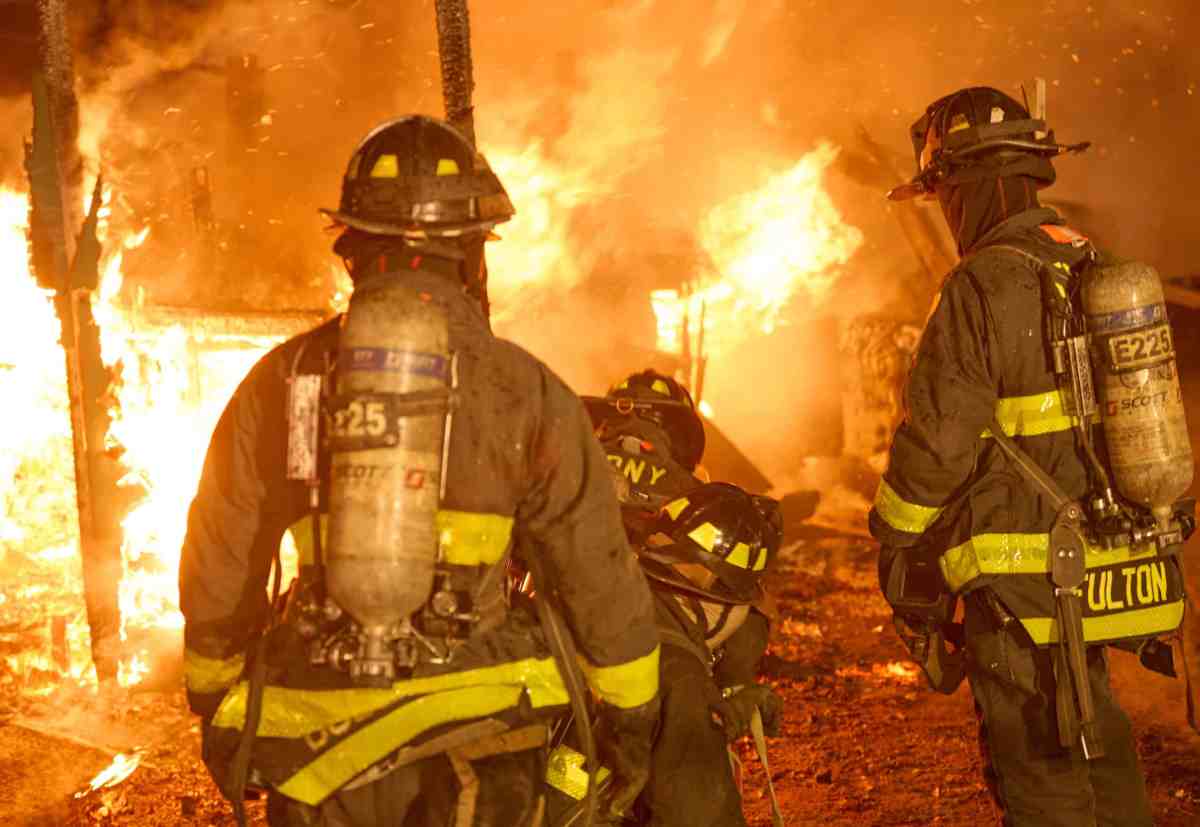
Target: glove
624	739
926	642
735	708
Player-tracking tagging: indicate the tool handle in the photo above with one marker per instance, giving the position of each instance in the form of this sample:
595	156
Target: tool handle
1071	629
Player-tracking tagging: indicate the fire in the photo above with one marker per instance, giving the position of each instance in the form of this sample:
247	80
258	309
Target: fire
122	766
174	382
535	252
766	247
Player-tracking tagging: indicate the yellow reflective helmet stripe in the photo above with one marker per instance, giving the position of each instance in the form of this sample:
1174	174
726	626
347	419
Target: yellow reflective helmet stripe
370	744
1020	554
902	515
661	387
467	538
740	556
1033	415
705	535
760	562
675	507
626	685
1153	620
447	166
206	675
471	538
294	713
386	166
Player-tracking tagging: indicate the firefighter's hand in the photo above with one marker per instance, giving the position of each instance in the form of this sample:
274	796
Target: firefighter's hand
624	739
736	708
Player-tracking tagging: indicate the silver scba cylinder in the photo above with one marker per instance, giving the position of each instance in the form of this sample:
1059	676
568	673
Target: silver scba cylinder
387	429
1141	402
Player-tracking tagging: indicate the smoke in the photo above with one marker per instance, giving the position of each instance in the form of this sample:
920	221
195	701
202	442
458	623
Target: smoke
619	125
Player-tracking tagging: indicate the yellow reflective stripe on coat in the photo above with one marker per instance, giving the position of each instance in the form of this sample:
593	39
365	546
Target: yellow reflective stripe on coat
626	685
471	538
1033	415
294	713
467	538
1019	554
1153	620
372	743
206	675
902	515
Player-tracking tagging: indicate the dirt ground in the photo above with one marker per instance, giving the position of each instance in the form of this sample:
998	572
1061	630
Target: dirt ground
864	743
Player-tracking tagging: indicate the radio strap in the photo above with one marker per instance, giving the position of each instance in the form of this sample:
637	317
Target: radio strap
1068	570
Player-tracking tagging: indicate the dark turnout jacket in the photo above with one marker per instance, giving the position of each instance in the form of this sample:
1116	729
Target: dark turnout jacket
950	491
523	469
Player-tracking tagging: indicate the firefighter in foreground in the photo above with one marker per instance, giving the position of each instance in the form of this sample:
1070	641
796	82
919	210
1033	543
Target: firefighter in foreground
400	685
704	547
1060	536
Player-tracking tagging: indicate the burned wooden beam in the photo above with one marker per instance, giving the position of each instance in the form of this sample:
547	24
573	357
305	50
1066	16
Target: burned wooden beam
67	264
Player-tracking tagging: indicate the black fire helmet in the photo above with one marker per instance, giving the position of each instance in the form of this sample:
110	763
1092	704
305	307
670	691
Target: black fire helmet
975	133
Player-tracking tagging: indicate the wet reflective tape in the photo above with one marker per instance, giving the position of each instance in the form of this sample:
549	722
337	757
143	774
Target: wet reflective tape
1154	620
372	743
467	538
471	538
626	685
1033	415
565	772
294	713
204	675
902	515
1020	554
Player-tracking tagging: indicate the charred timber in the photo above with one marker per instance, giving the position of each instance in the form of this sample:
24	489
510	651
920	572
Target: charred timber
458	76
69	266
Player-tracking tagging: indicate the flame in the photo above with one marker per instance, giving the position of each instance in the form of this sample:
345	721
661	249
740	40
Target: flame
767	247
174	382
122	766
535	251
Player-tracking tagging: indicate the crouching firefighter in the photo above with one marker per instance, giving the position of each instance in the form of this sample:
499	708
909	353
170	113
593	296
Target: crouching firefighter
654	438
1038	475
705	555
411	453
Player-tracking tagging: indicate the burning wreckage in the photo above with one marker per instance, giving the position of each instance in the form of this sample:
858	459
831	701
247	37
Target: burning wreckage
118	376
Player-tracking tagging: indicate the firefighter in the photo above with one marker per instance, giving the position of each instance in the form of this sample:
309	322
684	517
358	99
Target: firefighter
713	615
957	519
441	709
654	438
705	560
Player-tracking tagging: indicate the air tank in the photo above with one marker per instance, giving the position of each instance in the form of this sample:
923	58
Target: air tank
386	462
1141	403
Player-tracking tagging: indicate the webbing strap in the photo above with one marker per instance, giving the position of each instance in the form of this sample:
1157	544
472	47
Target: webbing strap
760	744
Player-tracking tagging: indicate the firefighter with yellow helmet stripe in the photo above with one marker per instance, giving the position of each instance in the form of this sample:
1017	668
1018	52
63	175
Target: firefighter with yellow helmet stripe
958	513
705	559
654	439
411	453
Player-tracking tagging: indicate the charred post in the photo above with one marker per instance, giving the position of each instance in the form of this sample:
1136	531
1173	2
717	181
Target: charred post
69	266
458	77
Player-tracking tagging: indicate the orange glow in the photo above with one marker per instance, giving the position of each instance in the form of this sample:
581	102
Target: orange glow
174	383
783	241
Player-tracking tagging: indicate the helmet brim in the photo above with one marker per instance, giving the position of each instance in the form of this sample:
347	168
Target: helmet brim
366	225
